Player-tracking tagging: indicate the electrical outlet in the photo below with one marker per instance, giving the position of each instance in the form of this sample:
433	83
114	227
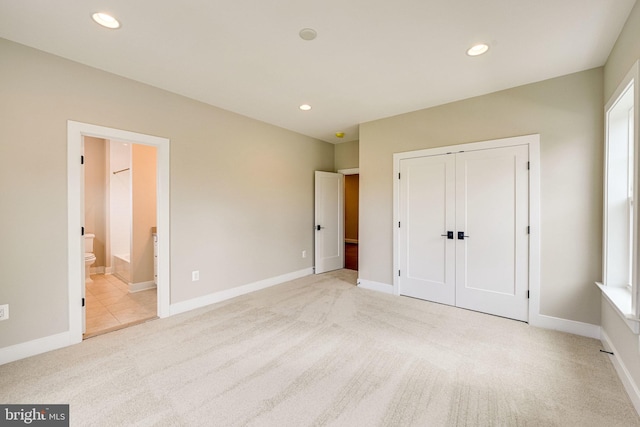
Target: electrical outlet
4	312
304	254
195	275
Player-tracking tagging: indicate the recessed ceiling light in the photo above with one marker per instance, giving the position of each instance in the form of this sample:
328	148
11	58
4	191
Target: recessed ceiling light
478	49
305	107
308	34
106	20
339	134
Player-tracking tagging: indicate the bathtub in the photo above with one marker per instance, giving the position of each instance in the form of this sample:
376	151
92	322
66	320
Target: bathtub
122	267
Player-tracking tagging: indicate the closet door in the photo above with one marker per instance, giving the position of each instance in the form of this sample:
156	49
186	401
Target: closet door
482	198
427	203
492	212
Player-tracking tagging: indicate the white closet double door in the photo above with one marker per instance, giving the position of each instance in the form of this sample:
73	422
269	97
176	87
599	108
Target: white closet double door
463	236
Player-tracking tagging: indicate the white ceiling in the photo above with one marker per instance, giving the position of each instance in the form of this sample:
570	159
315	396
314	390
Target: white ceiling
371	59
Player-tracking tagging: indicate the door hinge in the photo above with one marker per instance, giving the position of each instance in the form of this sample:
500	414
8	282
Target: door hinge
82	160
398	175
398	224
83	302
398	272
82	231
528	294
528	229
528	165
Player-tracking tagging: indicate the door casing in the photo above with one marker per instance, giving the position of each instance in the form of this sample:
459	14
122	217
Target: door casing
75	133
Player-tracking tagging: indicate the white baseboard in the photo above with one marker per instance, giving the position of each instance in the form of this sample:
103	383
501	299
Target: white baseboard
564	325
108	270
375	286
215	297
34	347
627	380
141	286
96	270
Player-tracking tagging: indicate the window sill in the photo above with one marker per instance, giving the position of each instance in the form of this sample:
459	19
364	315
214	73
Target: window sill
620	300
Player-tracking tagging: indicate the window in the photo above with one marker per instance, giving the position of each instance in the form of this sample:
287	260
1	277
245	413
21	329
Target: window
620	243
619	192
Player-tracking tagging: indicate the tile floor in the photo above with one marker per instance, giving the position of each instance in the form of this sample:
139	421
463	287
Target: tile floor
110	306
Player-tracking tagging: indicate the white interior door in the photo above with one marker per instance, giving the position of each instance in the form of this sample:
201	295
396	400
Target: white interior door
329	221
427	215
492	212
482	198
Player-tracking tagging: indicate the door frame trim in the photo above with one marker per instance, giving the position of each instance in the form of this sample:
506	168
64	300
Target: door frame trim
75	132
533	142
352	171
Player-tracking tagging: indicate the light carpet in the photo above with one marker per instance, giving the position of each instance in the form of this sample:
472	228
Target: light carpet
319	351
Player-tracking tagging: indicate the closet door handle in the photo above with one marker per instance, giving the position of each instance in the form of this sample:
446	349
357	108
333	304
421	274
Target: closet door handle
461	235
449	235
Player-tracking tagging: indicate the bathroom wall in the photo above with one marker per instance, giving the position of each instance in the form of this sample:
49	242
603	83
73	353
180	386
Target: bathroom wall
139	195
119	176
143	187
95	196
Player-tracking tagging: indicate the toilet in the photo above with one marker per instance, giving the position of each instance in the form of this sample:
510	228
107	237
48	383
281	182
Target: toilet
89	257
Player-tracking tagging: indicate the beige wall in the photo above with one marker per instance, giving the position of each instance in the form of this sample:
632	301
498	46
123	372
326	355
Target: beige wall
95	196
567	113
143	196
241	190
347	155
624	54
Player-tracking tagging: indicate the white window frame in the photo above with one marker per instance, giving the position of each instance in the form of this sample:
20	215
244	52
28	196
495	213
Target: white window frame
620	282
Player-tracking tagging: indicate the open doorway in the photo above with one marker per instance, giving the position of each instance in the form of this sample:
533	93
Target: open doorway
120	228
76	218
351	214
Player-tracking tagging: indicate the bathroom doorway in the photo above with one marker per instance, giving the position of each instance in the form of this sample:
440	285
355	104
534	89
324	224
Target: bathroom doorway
157	245
120	224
